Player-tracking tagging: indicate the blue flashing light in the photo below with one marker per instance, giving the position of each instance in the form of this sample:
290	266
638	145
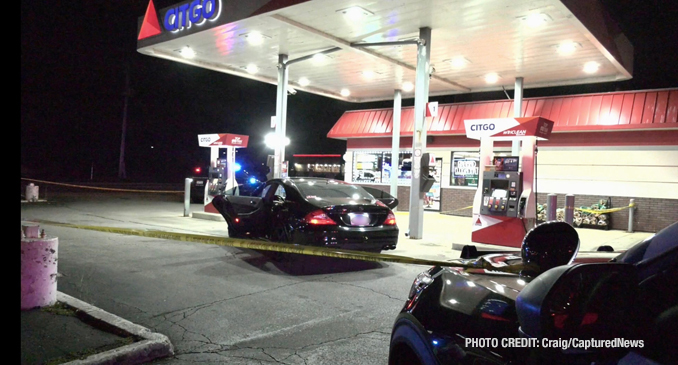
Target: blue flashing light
253	180
236	167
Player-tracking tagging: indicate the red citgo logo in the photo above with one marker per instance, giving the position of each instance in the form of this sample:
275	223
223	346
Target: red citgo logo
150	26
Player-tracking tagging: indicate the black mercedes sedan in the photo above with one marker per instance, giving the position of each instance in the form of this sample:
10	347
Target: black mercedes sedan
548	304
315	212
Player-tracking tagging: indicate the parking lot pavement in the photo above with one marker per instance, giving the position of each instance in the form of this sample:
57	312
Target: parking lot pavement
443	236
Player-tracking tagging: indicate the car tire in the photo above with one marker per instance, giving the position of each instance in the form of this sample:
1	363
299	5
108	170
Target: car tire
281	234
408	347
233	233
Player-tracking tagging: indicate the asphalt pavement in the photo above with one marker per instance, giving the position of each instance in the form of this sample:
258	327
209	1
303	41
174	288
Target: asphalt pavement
75	332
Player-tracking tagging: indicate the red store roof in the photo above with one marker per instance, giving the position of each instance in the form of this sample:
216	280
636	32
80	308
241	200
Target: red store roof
618	111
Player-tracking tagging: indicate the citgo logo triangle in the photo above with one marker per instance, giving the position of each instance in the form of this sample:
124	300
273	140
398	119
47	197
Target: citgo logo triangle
150	26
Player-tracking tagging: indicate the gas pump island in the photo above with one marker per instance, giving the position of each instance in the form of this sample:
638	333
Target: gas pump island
503	207
221	176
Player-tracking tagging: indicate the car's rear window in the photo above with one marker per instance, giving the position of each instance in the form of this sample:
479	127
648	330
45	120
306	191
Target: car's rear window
322	190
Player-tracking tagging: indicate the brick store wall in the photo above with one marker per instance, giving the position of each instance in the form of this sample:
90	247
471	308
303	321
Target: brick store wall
457	201
650	214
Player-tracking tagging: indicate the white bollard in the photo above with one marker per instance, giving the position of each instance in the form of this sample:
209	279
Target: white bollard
32	192
38	268
187	196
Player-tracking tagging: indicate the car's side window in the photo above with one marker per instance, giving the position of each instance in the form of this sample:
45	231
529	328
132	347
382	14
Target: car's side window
265	191
280	192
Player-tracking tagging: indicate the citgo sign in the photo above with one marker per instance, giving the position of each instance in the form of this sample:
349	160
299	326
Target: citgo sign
194	12
180	17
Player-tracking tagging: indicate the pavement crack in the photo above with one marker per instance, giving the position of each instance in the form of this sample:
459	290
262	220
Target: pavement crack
184	312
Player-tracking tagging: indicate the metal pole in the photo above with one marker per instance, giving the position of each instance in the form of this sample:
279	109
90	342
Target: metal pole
569	209
187	196
551	206
517	112
395	143
419	137
280	109
632	207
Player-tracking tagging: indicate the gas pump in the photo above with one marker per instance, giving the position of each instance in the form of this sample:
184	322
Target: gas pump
502	208
221	174
217	181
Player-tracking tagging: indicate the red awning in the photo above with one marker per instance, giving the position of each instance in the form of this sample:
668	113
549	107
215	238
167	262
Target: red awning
632	110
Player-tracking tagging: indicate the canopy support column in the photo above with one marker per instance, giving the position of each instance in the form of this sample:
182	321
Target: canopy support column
280	114
395	143
419	137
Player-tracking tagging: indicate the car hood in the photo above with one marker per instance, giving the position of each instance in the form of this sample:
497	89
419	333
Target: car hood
488	292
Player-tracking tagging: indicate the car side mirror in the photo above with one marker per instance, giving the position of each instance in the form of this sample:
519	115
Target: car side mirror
382	196
584	301
548	245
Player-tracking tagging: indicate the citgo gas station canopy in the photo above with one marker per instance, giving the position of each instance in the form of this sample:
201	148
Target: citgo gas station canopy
546	42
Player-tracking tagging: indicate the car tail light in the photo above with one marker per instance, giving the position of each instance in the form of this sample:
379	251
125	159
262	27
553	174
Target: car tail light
237	220
318	218
381	204
197	170
390	219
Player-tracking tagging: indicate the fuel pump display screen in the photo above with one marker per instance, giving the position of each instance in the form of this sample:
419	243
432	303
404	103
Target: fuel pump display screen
499	193
499	184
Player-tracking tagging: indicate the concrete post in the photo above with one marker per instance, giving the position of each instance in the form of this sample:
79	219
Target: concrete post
187	197
631	213
569	209
551	206
38	267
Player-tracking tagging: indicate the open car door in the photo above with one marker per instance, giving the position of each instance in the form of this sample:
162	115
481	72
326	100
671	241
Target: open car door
243	214
382	196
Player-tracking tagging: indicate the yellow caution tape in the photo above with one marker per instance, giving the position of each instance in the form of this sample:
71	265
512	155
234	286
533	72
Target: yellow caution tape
288	248
603	211
108	189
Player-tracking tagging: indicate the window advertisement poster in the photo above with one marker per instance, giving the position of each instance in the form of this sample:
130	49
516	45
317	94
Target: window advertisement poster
405	168
465	168
367	167
432	197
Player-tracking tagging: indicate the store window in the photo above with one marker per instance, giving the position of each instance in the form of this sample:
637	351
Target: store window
376	167
465	167
367	167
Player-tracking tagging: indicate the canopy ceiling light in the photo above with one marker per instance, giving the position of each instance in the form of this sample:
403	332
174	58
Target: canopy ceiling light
355	12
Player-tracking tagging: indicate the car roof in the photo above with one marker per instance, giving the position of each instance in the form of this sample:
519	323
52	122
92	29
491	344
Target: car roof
316	179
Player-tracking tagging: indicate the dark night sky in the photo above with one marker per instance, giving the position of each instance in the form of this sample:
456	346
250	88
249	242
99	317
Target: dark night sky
74	57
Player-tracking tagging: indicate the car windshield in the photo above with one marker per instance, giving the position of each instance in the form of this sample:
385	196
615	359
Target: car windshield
314	189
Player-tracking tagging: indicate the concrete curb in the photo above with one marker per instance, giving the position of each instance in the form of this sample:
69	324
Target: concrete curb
153	346
208	216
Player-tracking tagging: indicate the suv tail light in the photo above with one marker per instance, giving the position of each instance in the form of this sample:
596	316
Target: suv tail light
390	219
318	218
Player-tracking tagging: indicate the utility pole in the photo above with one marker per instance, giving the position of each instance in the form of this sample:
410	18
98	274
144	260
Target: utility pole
121	164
